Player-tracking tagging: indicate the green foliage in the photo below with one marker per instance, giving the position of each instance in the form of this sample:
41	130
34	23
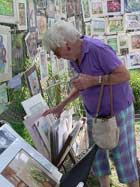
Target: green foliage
135	84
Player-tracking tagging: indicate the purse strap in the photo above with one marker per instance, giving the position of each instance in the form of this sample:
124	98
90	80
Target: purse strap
101	95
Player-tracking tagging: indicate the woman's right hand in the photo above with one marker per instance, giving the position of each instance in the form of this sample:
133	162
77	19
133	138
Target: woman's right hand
57	110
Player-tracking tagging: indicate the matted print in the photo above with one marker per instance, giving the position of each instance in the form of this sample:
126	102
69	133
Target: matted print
132	21
63	8
86	10
32	23
132	5
134	41
114	7
6	139
8	11
40	4
124	60
112	41
5	54
133	60
122	43
78	7
88	29
43	66
115	24
50	10
33	81
97	8
41	25
31	43
98	26
3	94
21	14
70	8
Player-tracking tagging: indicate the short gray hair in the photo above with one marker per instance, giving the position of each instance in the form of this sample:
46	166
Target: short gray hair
60	33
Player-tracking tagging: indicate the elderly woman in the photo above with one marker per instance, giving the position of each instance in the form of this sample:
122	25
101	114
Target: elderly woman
95	61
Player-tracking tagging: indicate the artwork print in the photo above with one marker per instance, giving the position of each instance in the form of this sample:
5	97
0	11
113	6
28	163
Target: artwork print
97	8
132	21
115	25
6	139
134	41
132	5
86	10
98	26
5	54
31	16
3	94
133	60
122	43
112	41
43	65
114	7
33	81
25	171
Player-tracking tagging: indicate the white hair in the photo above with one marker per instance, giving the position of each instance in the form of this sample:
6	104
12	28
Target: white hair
60	33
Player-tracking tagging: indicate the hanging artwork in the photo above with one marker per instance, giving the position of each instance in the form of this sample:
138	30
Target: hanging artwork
43	66
112	41
8	11
33	81
31	43
114	7
32	24
40	4
41	25
133	60
86	10
134	41
123	59
70	8
115	25
18	53
3	94
122	43
88	28
21	14
5	54
98	26
132	5
132	21
97	8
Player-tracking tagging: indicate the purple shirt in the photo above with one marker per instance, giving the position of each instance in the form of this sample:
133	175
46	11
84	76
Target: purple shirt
100	59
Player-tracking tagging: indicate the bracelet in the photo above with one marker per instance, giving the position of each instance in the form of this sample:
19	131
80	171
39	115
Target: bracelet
99	79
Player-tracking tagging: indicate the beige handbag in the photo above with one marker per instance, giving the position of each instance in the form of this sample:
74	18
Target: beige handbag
105	130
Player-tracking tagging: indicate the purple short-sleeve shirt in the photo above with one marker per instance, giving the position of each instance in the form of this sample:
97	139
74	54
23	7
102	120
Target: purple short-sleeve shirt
100	59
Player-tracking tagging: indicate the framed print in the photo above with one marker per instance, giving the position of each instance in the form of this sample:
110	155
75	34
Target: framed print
40	4
41	25
21	14
33	81
62	67
31	43
3	94
114	7
112	41
50	11
133	60
86	10
115	25
54	64
22	164
70	8
88	28
8	11
5	54
97	8
51	22
34	104
32	24
123	59
132	5
132	21
122	43
63	8
43	66
78	7
98	26
134	41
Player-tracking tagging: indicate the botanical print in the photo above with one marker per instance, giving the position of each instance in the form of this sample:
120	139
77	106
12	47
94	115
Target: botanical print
6	139
112	41
88	28
41	25
70	8
25	171
122	43
114	7
98	26
133	60
5	54
7	11
134	41
43	65
115	24
33	81
86	10
97	8
21	13
3	94
132	5
132	21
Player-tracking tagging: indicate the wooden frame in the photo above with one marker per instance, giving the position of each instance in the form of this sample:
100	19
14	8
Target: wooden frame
27	158
134	41
21	6
9	11
114	7
33	81
6	59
